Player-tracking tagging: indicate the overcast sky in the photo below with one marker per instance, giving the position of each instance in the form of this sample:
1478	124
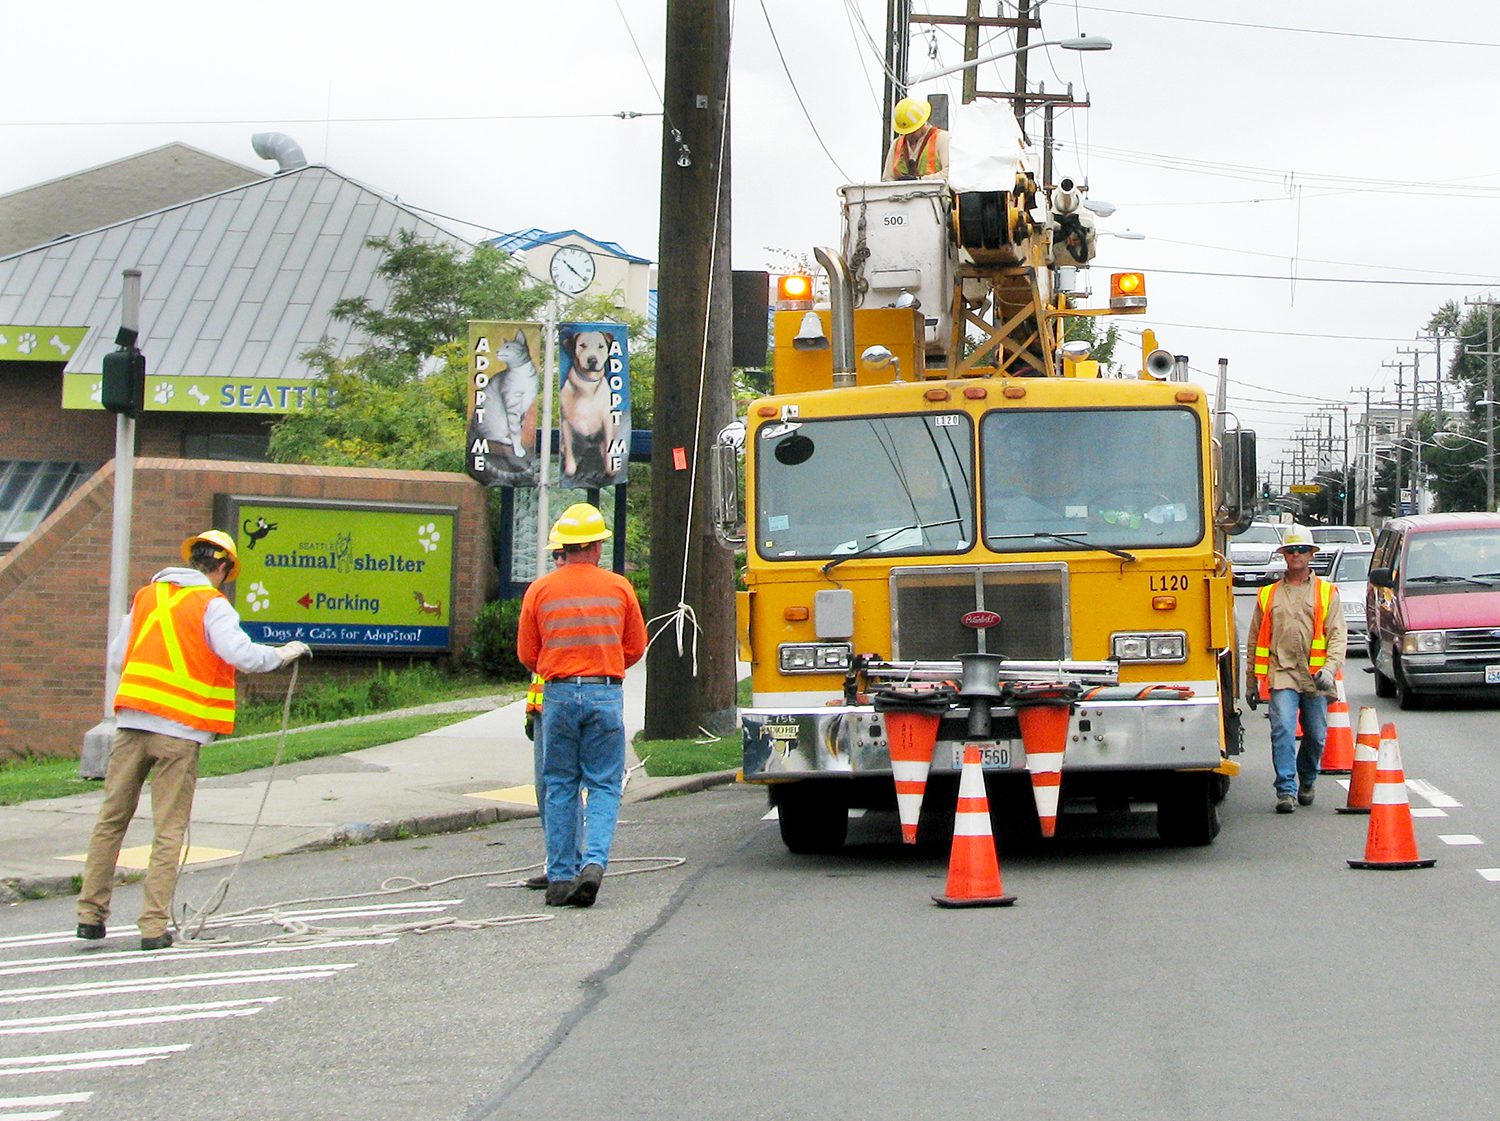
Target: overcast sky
1320	139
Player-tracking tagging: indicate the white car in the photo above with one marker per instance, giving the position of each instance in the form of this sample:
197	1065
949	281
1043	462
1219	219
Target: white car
1253	555
1349	570
1330	539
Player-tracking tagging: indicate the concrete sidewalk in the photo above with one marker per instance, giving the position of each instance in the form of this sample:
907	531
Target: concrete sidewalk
473	772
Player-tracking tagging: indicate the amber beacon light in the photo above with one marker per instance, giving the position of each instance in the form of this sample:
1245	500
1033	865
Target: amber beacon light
1127	290
794	291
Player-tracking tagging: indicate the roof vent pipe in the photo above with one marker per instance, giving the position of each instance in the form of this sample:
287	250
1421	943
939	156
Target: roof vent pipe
280	147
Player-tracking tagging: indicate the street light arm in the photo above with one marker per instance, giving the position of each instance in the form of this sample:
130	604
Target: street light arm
1077	43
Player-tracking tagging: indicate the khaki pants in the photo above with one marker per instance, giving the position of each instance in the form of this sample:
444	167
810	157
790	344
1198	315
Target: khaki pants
172	764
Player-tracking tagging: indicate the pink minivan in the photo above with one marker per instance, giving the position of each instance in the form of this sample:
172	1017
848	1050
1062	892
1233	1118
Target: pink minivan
1433	606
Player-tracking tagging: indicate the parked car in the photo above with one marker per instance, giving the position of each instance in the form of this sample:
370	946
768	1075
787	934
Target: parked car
1351	566
1329	539
1253	555
1433	606
1366	534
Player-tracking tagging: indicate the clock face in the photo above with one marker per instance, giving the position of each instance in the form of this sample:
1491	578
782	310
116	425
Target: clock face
572	269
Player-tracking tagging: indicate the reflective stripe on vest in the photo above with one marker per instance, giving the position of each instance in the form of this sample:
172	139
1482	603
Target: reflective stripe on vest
923	164
535	692
1260	663
181	680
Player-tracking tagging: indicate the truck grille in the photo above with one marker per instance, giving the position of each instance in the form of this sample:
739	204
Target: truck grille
928	605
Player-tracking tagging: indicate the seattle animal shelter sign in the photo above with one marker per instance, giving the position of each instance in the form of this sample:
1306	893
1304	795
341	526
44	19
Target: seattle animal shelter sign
349	576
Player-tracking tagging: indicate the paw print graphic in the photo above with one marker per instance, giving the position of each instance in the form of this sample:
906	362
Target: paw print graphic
96	392
164	392
258	598
429	536
26	343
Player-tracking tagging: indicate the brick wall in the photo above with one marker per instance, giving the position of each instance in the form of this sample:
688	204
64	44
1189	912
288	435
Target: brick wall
54	586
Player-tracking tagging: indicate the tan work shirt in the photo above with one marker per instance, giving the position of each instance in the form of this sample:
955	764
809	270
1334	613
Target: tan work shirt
1291	636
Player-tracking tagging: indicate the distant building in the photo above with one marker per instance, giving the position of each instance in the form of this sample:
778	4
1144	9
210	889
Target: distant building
579	265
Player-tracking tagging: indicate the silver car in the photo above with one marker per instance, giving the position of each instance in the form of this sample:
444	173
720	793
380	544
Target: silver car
1254	557
1330	539
1349	568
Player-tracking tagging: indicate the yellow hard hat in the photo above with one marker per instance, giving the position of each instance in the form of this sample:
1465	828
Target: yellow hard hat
1296	536
910	114
553	544
580	524
219	538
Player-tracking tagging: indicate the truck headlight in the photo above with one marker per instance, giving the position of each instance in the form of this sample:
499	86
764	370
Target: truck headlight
1149	646
1423	642
815	657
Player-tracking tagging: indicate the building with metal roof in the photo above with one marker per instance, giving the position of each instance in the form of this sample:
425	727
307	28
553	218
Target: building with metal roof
577	264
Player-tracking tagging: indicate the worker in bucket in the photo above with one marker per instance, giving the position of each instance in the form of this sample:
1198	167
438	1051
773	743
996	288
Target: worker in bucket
176	652
920	149
581	628
1297	646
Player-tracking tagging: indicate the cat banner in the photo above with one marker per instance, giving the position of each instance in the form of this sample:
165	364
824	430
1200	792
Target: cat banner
503	383
593	404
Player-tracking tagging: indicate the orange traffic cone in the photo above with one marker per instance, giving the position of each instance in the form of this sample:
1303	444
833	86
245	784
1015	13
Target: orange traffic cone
1044	732
1338	749
973	868
911	736
1366	751
1391	842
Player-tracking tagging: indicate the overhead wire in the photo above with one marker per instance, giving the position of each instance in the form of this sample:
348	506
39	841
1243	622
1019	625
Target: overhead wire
798	93
1291	30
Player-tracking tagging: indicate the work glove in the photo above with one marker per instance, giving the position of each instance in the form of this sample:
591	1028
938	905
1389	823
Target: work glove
531	727
1324	680
1252	698
292	651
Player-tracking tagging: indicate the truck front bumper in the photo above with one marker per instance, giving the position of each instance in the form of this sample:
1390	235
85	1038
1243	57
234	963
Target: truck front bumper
1102	736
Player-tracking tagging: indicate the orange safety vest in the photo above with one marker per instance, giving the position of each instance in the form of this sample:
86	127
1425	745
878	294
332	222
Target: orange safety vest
1260	665
923	164
535	693
170	669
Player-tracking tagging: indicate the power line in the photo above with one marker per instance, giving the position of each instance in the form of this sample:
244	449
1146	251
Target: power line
624	115
1321	279
798	93
1292	30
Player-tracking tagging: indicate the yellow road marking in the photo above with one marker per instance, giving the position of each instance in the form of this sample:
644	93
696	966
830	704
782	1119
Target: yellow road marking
518	795
137	859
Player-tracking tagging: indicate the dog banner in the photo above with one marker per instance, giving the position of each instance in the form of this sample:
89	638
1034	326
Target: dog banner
593	402
503	384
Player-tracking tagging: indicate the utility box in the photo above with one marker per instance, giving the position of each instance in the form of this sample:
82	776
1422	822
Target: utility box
896	241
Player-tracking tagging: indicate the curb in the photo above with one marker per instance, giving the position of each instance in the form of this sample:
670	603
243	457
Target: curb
23	888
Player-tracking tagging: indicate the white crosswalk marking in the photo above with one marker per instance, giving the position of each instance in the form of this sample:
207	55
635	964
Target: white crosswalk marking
88	1060
1432	795
136	1017
158	984
136	957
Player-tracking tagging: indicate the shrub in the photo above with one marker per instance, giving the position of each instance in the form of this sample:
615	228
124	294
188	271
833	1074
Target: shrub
493	648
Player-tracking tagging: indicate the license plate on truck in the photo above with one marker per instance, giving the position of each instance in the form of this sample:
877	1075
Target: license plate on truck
991	755
1492	675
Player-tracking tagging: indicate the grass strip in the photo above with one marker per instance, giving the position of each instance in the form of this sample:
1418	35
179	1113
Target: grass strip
672	758
31	779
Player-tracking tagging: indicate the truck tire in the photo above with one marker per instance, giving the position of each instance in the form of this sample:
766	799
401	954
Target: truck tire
813	816
1187	812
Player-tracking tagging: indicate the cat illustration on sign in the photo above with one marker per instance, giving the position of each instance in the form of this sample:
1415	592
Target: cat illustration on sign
262	528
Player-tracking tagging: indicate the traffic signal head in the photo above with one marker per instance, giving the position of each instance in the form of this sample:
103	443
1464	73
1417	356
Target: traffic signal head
123	386
1265	492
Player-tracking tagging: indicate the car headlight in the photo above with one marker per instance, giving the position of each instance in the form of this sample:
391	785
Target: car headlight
1423	642
815	657
1149	646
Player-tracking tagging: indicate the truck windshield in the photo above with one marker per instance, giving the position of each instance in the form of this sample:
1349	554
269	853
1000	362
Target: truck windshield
1119	477
870	485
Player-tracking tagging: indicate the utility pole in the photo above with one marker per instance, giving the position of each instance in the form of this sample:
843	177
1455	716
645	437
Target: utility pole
1400	368
1489	398
1437	341
897	45
690	678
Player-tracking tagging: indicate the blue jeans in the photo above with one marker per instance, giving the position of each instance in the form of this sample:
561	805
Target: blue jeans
584	727
538	776
1297	762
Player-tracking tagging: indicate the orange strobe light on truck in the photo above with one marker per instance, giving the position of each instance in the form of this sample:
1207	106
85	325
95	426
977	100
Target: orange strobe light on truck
794	292
1127	290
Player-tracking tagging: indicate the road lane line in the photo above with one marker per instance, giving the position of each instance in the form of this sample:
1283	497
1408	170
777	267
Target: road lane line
1428	811
158	984
44	1100
88	1060
1432	795
46	1115
135	1017
1459	839
136	957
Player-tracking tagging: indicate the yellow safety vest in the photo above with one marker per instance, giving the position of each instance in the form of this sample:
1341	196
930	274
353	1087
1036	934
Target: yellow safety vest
535	692
170	669
1260	665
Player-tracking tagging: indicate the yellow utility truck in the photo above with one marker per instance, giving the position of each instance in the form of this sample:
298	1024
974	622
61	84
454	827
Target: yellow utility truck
973	501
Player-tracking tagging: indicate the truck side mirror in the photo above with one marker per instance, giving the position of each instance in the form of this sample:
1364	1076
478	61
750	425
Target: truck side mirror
725	457
1382	577
1238	482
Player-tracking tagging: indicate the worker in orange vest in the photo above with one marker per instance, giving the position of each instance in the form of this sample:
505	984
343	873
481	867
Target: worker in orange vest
176	652
1297	645
581	628
920	149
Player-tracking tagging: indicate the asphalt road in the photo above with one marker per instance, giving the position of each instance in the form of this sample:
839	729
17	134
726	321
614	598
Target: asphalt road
1257	978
